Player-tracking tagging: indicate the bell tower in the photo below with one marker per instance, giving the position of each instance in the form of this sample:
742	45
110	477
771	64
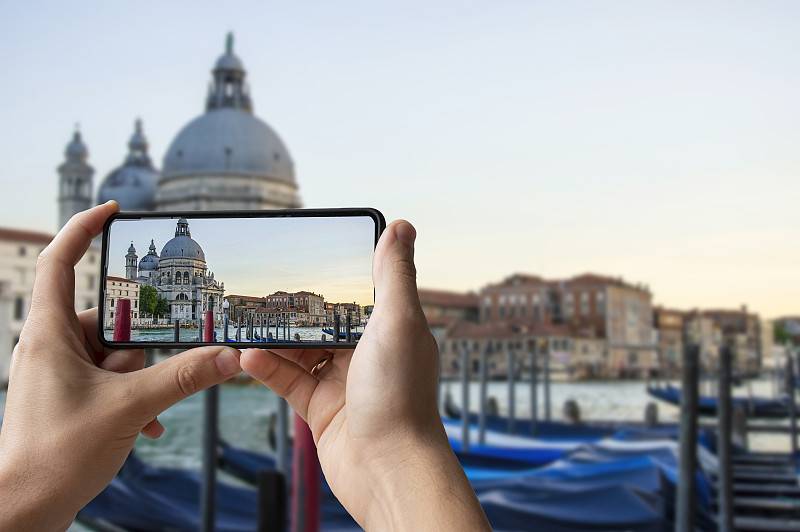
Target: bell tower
131	263
75	180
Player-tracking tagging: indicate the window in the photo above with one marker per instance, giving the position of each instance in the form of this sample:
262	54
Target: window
185	277
135	303
112	303
22	251
90	280
177	277
19	308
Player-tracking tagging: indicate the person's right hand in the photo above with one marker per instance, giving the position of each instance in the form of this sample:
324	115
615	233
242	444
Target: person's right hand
373	410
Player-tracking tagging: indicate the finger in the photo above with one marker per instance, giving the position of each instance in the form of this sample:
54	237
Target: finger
120	360
54	286
124	360
305	358
153	430
160	386
285	378
393	270
88	321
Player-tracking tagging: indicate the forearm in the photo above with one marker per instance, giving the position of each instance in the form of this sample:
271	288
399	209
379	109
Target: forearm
426	490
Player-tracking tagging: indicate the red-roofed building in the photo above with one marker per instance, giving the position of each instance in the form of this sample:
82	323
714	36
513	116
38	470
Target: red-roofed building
609	307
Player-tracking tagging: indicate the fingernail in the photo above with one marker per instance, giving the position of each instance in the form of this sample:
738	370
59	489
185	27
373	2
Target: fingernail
228	361
405	233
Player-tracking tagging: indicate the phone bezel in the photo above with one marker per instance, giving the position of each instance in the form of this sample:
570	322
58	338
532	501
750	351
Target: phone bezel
377	217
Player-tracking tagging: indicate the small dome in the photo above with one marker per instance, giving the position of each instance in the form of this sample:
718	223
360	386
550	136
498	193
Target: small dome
148	262
132	185
134	188
228	141
76	149
131	249
229	61
182	247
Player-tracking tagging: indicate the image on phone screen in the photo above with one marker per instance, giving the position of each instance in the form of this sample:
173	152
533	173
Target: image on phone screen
276	280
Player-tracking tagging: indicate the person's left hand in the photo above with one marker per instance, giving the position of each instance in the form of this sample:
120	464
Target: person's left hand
74	408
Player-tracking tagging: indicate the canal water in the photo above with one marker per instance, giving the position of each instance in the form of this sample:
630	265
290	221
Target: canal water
192	335
245	411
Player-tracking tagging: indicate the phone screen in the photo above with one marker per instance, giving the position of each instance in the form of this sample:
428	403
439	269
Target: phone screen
275	279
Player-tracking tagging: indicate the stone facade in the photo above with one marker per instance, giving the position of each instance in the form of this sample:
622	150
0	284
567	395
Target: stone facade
118	288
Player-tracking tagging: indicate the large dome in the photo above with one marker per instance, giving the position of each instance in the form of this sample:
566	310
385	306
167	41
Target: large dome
182	246
228	141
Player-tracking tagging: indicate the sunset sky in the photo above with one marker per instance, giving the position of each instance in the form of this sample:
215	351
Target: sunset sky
259	256
658	141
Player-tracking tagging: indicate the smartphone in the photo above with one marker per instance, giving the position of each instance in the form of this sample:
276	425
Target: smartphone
275	279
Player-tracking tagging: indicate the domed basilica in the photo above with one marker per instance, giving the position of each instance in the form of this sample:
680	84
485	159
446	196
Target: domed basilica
180	275
227	158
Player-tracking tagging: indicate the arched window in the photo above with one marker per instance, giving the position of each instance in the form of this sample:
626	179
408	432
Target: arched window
177	277
185	277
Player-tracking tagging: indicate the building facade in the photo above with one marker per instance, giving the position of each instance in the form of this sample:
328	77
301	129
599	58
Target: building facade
19	251
118	288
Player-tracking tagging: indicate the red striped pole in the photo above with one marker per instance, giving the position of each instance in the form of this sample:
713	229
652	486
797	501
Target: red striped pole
208	324
122	321
306	507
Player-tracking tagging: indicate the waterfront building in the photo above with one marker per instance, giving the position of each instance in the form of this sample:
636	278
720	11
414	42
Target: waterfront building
668	325
704	332
602	306
790	324
571	350
444	309
750	337
19	251
304	307
118	288
180	275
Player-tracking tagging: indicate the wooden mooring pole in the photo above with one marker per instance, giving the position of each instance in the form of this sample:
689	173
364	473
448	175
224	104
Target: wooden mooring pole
464	397
534	390
510	361
687	458
177	331
724	448
484	377
210	442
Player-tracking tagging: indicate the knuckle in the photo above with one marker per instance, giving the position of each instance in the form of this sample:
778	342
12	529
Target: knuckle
187	380
404	267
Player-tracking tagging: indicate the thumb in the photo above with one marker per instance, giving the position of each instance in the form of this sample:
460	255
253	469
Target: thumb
393	270
160	386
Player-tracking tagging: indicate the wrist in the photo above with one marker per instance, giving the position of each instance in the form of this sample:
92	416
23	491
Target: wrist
424	488
29	502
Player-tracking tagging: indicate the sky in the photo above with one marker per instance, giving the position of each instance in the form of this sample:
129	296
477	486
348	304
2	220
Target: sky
657	141
259	256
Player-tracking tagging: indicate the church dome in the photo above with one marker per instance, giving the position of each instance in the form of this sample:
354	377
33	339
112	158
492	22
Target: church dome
149	261
132	185
228	141
182	246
